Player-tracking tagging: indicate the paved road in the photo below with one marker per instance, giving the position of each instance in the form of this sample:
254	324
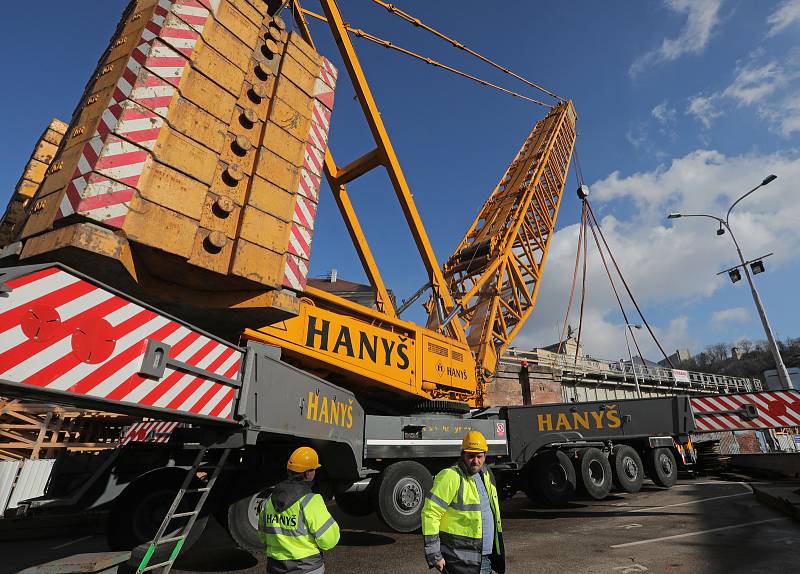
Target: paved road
697	527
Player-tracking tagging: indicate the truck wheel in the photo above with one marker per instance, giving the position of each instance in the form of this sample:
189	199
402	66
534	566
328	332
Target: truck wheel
662	467
627	468
552	479
595	472
241	521
355	503
139	511
400	493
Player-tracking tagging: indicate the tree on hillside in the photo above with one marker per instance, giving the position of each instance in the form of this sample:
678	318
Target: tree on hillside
754	358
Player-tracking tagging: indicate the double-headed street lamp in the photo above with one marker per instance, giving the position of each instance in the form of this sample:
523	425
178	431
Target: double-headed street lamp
630	355
724	224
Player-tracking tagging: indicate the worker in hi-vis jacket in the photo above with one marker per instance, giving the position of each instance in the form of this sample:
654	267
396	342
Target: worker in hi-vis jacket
294	523
461	515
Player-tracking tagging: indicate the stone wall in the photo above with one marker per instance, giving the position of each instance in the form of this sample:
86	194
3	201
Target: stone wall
506	389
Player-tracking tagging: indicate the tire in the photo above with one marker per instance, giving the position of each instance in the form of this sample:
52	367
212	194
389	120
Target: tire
355	503
139	511
399	494
662	467
240	519
595	473
551	480
627	468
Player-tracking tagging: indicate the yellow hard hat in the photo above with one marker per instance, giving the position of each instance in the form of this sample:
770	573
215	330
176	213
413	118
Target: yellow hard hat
303	459
474	441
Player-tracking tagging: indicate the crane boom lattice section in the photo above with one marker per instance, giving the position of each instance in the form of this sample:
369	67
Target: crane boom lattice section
495	270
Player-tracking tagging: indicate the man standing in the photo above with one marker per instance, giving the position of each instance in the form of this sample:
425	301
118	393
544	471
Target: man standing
461	515
294	523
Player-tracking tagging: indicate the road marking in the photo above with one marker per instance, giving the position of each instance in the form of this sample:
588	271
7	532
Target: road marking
631	568
688	534
72	542
629	526
649	508
711	483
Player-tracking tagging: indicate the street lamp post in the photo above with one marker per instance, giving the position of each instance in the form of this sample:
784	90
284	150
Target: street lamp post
783	374
630	355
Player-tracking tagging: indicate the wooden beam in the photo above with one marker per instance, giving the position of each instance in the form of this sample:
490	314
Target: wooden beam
69	445
41	436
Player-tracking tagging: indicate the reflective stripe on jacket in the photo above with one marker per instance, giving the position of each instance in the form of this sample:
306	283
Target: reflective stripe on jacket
295	537
451	522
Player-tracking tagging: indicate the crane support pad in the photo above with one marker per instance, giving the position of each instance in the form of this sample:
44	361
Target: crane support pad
69	339
747	411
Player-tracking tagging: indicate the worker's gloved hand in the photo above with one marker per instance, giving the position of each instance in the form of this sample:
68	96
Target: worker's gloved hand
440	565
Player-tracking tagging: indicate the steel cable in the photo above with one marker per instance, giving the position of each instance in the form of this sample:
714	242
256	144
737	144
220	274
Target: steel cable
391	8
389	45
627	288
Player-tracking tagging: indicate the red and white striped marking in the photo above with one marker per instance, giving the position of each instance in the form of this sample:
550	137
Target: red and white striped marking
295	273
776	409
307	192
149	431
62	333
300	242
325	83
309	185
152	73
305	212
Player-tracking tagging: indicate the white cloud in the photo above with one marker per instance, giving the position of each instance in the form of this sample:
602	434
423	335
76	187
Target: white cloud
731	315
669	265
784	116
704	108
754	83
770	87
785	15
637	135
701	17
663	113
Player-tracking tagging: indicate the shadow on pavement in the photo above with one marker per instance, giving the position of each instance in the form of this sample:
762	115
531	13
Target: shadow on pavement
363	538
216	560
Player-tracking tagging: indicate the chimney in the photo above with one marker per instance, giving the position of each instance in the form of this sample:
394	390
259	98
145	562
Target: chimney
333	275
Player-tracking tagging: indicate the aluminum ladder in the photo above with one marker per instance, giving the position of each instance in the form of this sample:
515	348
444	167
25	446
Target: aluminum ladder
159	539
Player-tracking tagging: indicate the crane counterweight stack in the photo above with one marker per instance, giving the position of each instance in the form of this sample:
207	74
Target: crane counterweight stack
193	160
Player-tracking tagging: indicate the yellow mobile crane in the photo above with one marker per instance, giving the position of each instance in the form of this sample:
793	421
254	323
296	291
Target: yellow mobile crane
479	300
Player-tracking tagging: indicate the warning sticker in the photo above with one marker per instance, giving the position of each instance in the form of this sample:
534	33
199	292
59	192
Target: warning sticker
500	429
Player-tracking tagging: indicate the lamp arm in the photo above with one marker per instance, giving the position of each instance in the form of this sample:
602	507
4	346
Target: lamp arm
727	215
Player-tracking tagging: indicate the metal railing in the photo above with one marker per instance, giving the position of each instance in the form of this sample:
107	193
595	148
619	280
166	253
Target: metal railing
591	368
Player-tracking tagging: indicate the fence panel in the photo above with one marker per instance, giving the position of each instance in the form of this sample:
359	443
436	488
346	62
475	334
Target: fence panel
32	480
8	472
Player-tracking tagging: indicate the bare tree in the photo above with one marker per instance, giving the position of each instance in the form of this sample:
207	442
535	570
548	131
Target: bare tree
745	345
717	353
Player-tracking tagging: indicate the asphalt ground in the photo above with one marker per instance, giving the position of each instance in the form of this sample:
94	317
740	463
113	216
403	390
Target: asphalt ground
697	527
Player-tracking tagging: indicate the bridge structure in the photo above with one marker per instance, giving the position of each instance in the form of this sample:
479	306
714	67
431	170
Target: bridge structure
557	377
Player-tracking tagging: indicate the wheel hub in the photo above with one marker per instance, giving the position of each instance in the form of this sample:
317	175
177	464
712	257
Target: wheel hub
407	495
150	513
596	473
630	468
557	476
253	507
666	465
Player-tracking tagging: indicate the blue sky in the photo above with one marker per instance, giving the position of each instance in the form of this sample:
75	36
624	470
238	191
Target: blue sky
683	105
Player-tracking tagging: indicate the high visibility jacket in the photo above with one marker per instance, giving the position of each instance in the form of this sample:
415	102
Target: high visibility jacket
451	522
296	530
